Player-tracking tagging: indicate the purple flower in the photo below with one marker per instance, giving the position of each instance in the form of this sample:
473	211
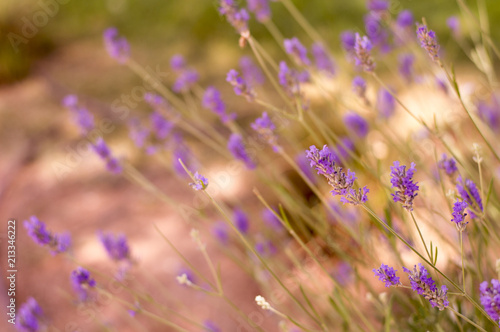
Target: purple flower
261	9
265	128
348	40
405	19
442	85
428	41
116	246
386	104
29	316
377	5
454	24
342	183
265	247
81	281
469	193
323	60
490	298
237	149
213	101
156	102
240	86
423	284
388	275
210	326
299	53
200	182
161	126
303	164
57	243
406	66
271	220
356	124
402	181
250	71
459	215
241	221
290	80
186	80
375	32
448	165
220	231
137	132
490	113
117	47
83	118
102	150
359	86
237	17
363	56
177	62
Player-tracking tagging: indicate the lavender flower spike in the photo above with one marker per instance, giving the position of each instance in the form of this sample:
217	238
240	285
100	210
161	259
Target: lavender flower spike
459	215
423	284
356	124
116	246
117	47
29	316
402	181
102	150
237	149
299	53
261	9
83	118
324	62
57	243
388	275
386	103
240	86
363	57
469	193
81	281
213	101
237	17
448	165
428	41
490	298
265	128
200	182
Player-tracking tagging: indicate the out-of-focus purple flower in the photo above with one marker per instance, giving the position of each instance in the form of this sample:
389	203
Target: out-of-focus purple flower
156	102
137	132
490	113
161	126
343	273
344	148
298	52
449	165
454	24
250	71
377	5
468	192
265	128
240	86
237	17
82	282
356	124
490	298
303	164
102	150
322	59
388	275
348	40
240	220
423	284
386	104
200	182
363	57
57	243
376	33
342	183
405	19
271	220
210	326
116	246
237	149
442	85
83	118
359	86
117	47
428	41
459	215
265	247
177	63
185	80
402	181
406	66
212	100
220	231
290	80
29	317
261	9
182	151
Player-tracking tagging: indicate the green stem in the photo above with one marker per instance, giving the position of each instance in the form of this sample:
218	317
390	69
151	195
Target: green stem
421	236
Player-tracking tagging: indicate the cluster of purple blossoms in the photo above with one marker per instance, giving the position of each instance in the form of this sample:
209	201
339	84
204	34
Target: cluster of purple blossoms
405	19
237	17
265	128
402	181
356	124
240	220
324	162
29	317
459	215
490	113
116	246
348	40
323	61
186	77
469	193
362	50
117	47
388	275
290	80
298	52
200	182
240	86
359	86
375	31
490	298
265	247
83	118
449	165
82	282
428	41
386	104
238	150
423	284
102	150
261	9
406	66
57	243
377	5
250	71
212	100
